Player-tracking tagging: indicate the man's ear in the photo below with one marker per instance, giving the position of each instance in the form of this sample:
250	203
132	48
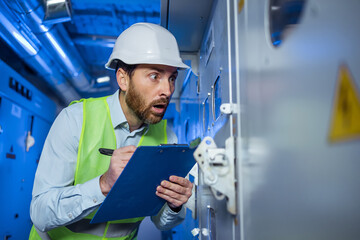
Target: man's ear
122	79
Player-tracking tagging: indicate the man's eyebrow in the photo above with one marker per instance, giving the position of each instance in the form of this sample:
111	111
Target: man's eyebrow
175	72
162	70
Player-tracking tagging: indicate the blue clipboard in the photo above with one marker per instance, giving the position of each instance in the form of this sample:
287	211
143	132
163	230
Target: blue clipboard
133	194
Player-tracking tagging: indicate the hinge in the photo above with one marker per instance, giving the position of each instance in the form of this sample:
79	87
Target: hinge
217	165
229	108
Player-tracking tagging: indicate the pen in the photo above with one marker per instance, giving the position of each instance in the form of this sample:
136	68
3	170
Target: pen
106	151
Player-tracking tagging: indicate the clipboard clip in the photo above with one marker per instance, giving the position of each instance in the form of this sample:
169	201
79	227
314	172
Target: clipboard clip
173	144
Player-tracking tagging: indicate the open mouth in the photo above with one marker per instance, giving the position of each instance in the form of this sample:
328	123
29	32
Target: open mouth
159	108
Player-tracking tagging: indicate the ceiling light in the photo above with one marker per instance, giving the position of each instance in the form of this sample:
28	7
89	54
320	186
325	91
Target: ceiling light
103	79
57	11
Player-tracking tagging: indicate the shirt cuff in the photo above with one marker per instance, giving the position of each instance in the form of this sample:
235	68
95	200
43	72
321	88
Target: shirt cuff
180	213
91	192
167	218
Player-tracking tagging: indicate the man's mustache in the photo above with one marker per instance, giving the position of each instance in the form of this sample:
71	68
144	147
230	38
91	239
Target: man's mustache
162	101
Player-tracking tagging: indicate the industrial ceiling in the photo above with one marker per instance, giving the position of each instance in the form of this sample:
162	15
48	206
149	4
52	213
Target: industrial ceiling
61	46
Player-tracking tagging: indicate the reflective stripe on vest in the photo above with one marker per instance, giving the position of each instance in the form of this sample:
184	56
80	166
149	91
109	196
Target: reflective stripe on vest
98	131
87	231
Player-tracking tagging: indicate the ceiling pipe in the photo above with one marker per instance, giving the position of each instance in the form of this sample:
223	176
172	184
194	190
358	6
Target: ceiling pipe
55	38
34	55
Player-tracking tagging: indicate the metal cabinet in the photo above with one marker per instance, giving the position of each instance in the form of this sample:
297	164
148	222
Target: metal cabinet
297	183
25	118
284	76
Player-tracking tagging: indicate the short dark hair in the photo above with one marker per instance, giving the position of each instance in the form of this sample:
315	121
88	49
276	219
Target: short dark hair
128	68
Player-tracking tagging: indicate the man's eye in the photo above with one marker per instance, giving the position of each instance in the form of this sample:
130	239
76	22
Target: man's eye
172	79
153	76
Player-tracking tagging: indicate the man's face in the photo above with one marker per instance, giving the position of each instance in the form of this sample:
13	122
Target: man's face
149	91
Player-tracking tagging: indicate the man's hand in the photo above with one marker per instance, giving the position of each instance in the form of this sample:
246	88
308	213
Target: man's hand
118	161
176	192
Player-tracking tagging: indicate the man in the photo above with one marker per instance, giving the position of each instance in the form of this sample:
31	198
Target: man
73	179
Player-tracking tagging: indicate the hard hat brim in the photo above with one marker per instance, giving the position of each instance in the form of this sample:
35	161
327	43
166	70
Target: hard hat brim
178	64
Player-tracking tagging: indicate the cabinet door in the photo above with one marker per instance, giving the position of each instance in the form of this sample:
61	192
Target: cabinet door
16	176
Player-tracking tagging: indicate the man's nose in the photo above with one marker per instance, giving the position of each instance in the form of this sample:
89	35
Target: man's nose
166	88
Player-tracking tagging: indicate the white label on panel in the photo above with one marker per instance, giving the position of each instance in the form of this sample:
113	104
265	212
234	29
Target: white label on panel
209	44
16	111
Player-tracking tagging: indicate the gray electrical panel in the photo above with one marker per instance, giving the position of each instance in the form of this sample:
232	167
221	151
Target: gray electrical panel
277	105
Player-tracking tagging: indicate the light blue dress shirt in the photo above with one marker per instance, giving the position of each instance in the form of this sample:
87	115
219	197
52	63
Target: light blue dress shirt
55	201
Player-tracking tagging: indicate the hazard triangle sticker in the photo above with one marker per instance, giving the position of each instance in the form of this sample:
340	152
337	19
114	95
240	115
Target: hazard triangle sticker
345	121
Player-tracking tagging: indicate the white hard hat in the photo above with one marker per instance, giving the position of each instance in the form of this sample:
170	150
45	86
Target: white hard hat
146	43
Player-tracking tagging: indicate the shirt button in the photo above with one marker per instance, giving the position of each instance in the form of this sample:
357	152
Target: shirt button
70	215
94	200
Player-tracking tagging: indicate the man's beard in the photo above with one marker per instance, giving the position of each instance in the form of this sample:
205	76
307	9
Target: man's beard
136	103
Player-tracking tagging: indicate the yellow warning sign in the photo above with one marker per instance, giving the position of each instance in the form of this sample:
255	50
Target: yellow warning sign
345	122
241	6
